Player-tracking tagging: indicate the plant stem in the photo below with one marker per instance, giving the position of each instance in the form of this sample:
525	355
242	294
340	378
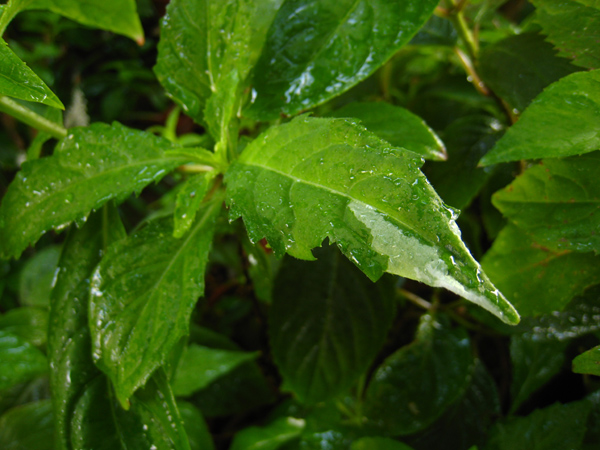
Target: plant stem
464	32
413	298
31	118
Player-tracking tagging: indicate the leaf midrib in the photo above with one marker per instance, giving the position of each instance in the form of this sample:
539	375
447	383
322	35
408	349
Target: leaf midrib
341	194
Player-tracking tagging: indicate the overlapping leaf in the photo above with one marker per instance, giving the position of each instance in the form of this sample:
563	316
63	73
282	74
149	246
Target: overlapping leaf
414	386
19	360
143	293
398	126
328	321
557	203
558	426
86	414
270	437
204	41
588	362
30	324
189	199
573	26
312	179
316	50
535	279
89	167
19	81
534	364
563	120
519	67
119	16
30	426
467	422
199	366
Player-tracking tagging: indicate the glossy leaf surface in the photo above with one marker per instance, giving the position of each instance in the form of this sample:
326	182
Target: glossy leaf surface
316	50
327	323
534	364
68	336
89	167
269	437
588	362
572	26
519	67
202	41
467	421
398	126
152	421
557	203
558	426
458	180
189	199
30	324
87	415
580	317
562	121
414	386
35	281
199	366
19	360
19	81
118	16
195	427
535	279
28	427
143	293
312	179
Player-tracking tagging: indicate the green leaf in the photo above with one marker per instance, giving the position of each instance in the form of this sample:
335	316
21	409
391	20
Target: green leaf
89	167
269	437
35	280
398	126
68	336
87	415
19	81
436	31
467	421
458	180
580	317
534	364
519	67
316	50
237	392
556	202
30	324
327	323
134	320
203	41
262	268
118	16
195	427
153	420
378	443
588	362
572	26
414	386
28	427
200	366
312	179
189	199
19	360
561	121
535	279
558	426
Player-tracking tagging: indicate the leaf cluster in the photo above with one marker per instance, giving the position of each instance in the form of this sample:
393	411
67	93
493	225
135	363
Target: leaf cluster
261	227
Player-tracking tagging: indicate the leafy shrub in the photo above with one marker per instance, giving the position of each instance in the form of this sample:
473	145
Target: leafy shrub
345	310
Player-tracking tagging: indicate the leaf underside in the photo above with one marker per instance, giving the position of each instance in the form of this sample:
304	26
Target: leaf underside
312	179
